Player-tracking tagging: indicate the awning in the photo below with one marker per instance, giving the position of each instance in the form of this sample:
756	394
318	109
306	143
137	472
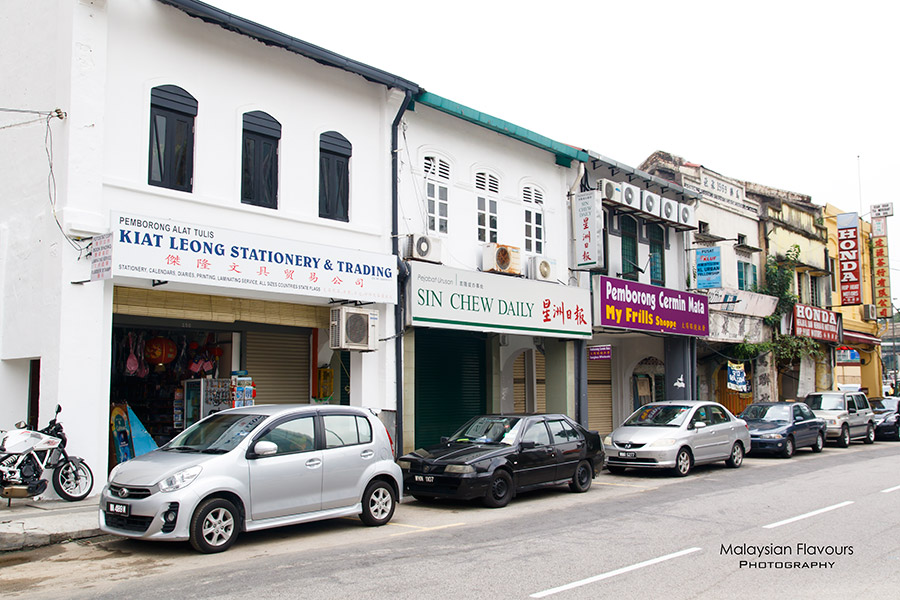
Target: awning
857	337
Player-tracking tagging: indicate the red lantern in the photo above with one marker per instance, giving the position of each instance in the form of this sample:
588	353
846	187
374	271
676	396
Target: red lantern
160	351
217	352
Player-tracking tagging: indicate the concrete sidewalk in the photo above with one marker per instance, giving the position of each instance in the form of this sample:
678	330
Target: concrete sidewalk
28	523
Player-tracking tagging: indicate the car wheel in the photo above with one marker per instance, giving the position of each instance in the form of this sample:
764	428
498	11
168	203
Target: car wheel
584	475
378	503
788	448
214	526
737	456
870	434
615	470
844	440
500	490
820	442
683	463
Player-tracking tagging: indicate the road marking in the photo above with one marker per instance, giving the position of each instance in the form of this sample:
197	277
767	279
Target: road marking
596	578
889	490
807	515
417	529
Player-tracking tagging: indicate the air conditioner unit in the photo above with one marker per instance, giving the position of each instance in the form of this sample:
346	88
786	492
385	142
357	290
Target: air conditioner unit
610	191
686	215
669	210
652	203
631	196
499	258
869	312
542	268
353	329
423	247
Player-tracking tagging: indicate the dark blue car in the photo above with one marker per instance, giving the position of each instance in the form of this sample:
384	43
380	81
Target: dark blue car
782	427
887	418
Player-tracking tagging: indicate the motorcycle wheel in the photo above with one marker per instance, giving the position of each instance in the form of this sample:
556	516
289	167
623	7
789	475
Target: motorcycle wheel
73	480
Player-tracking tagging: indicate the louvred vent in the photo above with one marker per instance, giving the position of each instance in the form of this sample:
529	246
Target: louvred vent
487	182
437	167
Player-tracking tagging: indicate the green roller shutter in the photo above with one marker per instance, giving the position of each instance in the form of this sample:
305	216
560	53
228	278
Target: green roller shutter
451	382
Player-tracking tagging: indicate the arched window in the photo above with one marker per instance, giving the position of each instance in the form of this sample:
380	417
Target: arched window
533	199
437	194
172	112
656	235
334	176
628	227
259	160
487	190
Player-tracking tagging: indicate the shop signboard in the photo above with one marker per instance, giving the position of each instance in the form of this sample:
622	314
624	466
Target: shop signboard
450	298
709	268
632	305
817	323
601	352
174	251
881	273
587	224
883	210
848	258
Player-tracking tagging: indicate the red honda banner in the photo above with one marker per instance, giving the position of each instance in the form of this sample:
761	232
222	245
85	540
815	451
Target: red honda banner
849	258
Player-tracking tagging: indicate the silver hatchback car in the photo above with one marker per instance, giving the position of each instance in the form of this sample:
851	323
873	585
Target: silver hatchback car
253	468
677	435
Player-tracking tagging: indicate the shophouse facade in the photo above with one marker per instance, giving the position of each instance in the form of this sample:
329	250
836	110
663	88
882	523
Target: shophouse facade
494	320
725	261
196	225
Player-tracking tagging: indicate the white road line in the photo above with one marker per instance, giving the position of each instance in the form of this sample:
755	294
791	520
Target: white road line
889	490
596	578
807	515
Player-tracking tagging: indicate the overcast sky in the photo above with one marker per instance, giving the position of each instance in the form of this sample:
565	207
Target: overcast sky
792	94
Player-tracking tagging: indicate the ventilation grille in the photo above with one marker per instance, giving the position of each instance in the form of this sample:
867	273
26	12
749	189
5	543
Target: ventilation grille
437	167
487	183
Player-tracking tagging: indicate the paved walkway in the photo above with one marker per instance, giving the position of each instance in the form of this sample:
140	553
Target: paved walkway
27	523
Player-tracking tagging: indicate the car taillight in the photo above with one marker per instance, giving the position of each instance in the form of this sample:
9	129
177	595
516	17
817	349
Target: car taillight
390	439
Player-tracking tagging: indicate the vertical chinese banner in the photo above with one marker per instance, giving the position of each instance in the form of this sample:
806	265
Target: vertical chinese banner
848	258
881	272
587	226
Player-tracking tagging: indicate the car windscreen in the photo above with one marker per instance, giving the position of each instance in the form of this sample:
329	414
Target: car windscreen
498	430
825	402
659	415
767	412
216	434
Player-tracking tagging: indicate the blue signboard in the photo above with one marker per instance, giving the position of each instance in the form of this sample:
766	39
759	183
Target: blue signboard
709	268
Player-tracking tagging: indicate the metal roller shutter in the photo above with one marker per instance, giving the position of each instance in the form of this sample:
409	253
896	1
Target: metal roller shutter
519	386
600	417
540	376
279	365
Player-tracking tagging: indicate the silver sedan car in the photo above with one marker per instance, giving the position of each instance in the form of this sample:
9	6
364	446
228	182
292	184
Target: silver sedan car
253	468
677	435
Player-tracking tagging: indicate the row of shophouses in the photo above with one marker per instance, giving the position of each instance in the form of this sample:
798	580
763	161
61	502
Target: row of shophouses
215	197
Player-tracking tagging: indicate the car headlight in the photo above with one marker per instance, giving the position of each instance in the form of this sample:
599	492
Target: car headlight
404	464
459	469
832	421
180	479
607	441
771	436
664	442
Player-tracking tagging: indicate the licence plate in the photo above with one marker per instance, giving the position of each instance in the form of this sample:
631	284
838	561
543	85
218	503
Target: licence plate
627	454
424	478
117	509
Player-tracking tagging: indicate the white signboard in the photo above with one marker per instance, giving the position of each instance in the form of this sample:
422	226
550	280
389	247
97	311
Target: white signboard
883	210
471	300
587	223
151	248
101	257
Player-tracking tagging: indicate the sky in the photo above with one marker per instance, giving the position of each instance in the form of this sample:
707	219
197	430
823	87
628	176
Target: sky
796	95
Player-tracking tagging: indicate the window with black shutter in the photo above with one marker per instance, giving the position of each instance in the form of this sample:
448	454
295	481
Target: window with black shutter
259	160
334	176
172	112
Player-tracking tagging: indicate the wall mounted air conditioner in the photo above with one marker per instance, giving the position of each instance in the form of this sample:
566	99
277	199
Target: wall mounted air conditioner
869	312
353	329
669	210
500	258
423	247
542	268
652	203
686	215
610	191
631	196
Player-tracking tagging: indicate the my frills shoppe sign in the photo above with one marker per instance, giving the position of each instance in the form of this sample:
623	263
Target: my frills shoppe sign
149	248
632	305
475	301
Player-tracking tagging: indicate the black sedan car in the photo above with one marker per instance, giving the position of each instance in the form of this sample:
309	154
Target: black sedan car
782	427
494	457
887	419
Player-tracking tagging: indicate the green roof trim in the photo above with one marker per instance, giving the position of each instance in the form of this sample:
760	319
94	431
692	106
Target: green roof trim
564	154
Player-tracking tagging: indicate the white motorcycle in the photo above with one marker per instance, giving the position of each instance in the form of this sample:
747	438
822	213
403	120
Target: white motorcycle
26	454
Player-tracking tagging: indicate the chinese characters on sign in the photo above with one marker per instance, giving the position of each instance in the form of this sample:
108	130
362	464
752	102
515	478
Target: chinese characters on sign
816	323
709	268
587	223
630	305
848	258
881	273
602	352
101	257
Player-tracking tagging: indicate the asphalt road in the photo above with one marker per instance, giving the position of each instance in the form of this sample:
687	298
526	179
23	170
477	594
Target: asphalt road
815	526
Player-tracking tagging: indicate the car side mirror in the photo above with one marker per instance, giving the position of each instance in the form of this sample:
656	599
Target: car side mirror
699	425
265	448
21	425
444	439
528	445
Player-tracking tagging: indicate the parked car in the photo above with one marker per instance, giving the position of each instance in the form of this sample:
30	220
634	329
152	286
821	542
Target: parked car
782	427
253	468
887	419
847	415
495	457
677	435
